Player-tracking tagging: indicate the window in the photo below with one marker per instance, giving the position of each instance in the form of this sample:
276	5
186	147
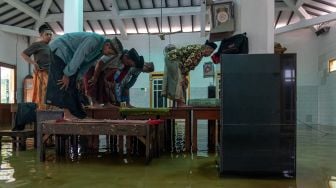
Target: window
289	75
7	89
158	100
156	85
332	65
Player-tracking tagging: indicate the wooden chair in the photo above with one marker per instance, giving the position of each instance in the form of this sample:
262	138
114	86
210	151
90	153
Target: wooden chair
18	137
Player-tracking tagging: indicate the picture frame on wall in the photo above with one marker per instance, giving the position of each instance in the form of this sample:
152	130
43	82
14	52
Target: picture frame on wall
222	13
208	70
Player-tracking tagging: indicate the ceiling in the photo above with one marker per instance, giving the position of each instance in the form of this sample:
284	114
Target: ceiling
289	12
126	17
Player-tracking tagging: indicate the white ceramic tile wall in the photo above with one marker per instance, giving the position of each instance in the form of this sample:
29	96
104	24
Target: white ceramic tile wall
307	104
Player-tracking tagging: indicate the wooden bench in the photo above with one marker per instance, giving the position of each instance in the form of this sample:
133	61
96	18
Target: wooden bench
174	113
142	129
18	137
43	115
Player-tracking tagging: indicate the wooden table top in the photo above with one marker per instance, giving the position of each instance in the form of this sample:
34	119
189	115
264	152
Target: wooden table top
96	121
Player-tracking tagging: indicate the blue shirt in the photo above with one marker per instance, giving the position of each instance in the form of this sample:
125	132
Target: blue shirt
79	51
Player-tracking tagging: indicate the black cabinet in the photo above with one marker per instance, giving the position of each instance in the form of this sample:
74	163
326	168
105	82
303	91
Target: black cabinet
258	114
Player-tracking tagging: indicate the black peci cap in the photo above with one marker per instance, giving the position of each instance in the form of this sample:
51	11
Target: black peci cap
138	60
211	44
140	63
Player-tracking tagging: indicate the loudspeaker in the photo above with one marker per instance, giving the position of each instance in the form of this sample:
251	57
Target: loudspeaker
322	31
211	91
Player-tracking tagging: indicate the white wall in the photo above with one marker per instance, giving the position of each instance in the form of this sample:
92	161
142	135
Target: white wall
305	44
327	81
10	48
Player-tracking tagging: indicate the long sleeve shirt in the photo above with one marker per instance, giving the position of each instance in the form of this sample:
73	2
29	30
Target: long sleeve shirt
78	51
189	57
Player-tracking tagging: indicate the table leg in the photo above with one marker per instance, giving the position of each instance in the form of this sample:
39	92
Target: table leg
194	135
187	134
42	148
212	135
148	144
167	136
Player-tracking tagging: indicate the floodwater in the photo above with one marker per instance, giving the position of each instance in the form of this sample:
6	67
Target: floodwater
316	167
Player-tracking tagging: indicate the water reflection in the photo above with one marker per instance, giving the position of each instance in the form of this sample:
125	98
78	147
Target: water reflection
6	170
332	182
177	169
179	136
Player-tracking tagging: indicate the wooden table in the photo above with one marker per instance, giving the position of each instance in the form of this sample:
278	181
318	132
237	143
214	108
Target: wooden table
140	128
208	113
183	113
173	113
103	113
170	114
44	115
154	114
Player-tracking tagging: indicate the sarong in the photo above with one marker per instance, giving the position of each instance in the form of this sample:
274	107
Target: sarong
172	79
70	98
40	81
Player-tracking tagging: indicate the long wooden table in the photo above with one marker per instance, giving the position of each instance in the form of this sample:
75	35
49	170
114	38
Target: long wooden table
183	113
165	114
174	113
103	113
140	128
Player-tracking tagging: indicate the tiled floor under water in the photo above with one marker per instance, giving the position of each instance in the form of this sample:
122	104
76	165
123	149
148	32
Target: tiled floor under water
316	168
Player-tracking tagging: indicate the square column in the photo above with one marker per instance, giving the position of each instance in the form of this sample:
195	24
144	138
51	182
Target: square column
73	16
256	18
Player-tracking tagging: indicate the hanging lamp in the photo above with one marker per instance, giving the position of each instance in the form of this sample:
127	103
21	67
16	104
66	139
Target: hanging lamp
161	34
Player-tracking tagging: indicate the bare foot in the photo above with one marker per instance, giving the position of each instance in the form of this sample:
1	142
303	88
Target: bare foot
109	105
130	106
68	116
96	105
181	104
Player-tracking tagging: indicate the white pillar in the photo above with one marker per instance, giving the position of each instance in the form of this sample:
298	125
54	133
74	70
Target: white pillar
256	18
73	16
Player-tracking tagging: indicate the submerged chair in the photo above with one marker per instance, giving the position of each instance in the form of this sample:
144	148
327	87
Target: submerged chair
22	114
